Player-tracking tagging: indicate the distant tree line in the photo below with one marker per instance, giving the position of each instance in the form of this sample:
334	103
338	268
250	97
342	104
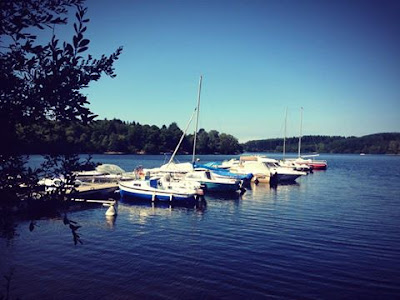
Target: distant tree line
118	136
381	143
104	136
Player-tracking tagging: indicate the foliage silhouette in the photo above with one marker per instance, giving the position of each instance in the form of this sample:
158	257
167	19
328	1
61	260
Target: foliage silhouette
41	85
127	137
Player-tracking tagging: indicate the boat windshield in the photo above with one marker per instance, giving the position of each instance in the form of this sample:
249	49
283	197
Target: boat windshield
271	164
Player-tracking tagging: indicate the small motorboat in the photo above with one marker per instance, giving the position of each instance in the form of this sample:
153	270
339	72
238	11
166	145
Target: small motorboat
213	183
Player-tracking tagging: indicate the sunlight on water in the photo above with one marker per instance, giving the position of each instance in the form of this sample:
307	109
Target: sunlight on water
334	234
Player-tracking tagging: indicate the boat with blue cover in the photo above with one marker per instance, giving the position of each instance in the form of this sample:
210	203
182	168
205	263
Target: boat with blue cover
212	183
219	172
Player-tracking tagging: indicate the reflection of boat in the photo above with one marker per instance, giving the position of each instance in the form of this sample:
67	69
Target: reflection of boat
155	189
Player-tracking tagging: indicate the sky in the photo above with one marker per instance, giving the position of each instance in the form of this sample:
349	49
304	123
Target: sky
339	60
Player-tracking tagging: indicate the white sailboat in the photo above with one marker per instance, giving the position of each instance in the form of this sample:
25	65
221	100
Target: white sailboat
292	163
307	159
162	184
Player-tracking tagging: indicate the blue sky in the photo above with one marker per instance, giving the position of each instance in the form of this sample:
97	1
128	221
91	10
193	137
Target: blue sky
340	60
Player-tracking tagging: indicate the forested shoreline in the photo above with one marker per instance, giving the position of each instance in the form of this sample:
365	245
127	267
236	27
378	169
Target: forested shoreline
380	143
116	136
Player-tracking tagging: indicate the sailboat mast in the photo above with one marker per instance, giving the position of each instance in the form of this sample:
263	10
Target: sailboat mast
301	126
197	120
284	137
180	141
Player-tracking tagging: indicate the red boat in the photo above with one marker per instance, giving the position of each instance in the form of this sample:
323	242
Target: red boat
318	164
314	164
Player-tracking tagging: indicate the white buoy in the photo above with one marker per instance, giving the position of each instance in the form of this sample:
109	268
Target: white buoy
112	210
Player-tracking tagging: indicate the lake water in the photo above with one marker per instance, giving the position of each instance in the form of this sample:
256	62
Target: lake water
335	234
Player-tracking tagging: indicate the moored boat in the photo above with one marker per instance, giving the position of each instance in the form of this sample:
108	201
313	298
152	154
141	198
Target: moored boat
284	174
155	189
247	164
312	163
223	172
213	183
303	159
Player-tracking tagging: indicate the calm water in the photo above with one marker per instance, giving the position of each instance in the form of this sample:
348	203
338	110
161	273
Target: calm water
335	235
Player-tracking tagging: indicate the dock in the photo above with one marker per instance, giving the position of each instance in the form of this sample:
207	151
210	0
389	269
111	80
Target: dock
97	190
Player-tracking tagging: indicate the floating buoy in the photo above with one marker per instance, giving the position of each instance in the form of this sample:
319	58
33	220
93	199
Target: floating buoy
113	209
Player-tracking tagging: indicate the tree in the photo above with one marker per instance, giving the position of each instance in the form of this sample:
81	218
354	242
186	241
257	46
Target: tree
42	82
228	144
213	141
202	142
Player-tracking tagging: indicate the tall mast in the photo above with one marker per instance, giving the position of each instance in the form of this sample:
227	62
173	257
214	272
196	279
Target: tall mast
284	138
180	141
197	120
301	126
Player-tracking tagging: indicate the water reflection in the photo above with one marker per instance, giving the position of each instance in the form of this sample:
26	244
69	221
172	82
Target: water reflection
234	197
263	191
110	221
142	212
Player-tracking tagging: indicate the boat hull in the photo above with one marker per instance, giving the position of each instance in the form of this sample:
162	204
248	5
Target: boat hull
220	188
154	194
288	177
318	166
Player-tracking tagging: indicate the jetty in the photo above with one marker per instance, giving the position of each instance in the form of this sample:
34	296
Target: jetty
101	190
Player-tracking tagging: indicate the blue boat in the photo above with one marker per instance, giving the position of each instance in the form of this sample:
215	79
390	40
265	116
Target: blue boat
224	172
213	183
155	189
